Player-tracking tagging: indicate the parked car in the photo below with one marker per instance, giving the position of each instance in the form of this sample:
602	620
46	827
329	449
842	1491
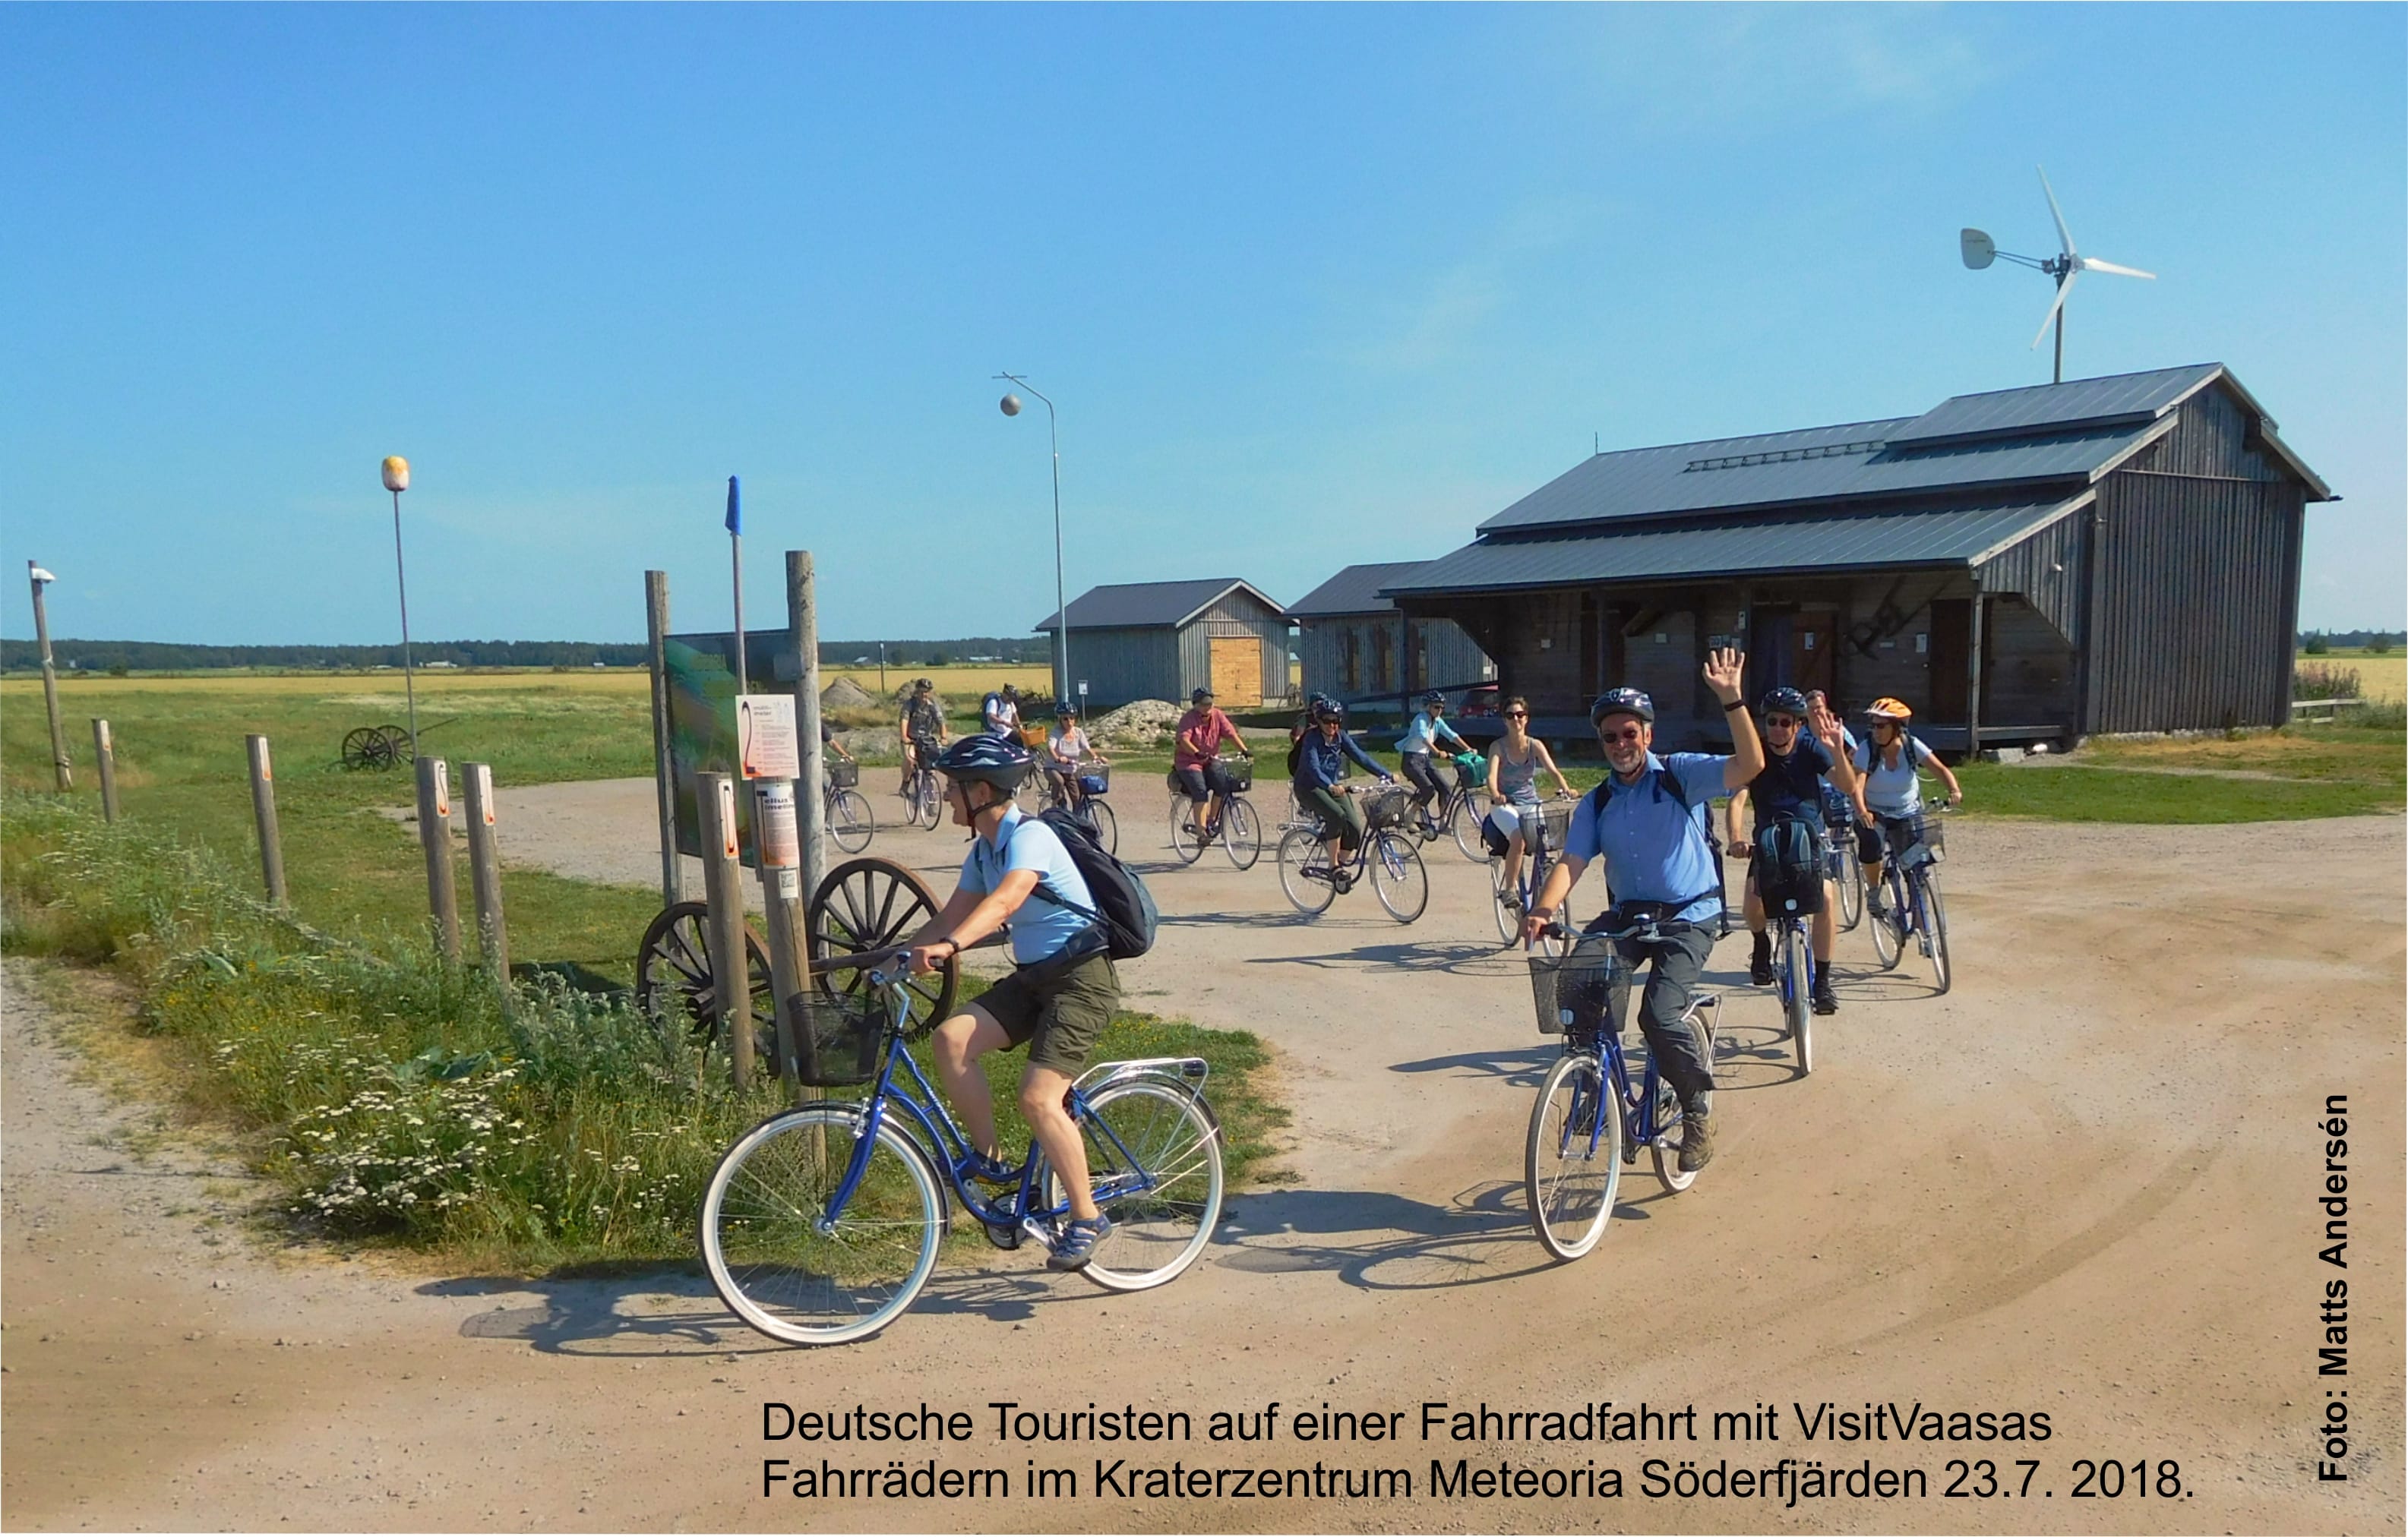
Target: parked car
1478	702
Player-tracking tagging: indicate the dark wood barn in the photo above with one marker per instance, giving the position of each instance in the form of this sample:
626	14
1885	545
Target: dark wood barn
2116	554
1355	644
1161	640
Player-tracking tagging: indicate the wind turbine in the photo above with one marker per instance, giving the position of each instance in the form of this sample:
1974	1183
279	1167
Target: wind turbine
2068	265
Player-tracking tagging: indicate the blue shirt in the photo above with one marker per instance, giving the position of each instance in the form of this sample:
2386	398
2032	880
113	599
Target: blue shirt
1892	791
1319	763
1422	735
1040	929
1654	851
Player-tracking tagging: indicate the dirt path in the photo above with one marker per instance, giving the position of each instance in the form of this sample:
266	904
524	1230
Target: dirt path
2083	1184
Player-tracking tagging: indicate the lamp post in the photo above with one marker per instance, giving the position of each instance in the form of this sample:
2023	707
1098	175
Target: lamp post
1011	405
41	579
397	480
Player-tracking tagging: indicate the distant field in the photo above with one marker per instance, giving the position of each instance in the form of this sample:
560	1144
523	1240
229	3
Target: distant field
2381	677
444	683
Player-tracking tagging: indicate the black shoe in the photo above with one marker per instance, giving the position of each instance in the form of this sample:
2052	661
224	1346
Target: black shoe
1826	1000
1759	965
1343	880
1696	1143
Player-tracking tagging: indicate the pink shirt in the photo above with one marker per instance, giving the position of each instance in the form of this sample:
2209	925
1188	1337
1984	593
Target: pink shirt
1199	733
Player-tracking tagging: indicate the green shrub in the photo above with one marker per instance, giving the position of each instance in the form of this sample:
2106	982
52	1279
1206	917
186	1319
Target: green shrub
2323	680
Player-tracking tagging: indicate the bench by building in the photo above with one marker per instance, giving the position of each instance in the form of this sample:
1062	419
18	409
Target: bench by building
1163	640
2116	554
1356	646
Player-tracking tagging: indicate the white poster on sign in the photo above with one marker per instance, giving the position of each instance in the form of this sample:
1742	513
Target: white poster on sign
775	837
765	745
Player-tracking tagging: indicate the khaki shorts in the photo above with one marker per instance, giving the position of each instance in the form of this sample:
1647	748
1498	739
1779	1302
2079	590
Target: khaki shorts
1059	1015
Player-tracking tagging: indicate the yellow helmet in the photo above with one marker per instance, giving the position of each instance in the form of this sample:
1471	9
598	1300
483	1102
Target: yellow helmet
1888	709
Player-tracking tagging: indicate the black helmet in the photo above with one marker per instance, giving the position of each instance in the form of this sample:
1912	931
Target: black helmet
1433	697
921	684
1783	701
997	759
1066	711
1012	690
1328	709
1621	702
1199	696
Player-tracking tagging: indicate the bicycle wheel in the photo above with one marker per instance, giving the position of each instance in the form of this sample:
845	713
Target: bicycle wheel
1887	942
1398	875
1851	884
1186	841
1572	1164
1241	833
1154	1164
1304	872
1471	810
850	822
931	800
778	1261
1108	828
1934	921
1503	904
1798	1015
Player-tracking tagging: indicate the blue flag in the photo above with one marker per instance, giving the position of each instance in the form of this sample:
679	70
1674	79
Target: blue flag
734	508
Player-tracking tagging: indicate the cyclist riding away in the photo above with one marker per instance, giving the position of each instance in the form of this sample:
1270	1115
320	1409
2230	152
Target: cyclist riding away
1790	794
1320	764
1000	712
1066	750
1516	822
1059	998
1646	821
1199	733
922	730
1422	734
1893	798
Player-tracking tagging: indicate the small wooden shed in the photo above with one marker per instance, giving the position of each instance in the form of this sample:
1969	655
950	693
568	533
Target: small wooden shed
1358	646
1162	640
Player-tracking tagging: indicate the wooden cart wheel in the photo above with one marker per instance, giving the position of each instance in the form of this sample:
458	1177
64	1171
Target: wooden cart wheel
362	747
673	972
397	747
869	904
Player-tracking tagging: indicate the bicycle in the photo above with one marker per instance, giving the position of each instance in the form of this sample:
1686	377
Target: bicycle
1508	906
821	1225
850	820
1238	831
1911	875
1388	853
1847	873
924	799
1792	973
1460	808
1090	807
1589	1119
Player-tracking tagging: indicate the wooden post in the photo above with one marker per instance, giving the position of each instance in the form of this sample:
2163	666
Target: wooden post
105	754
731	977
486	872
50	681
435	836
810	789
656	622
776	832
262	807
1973	678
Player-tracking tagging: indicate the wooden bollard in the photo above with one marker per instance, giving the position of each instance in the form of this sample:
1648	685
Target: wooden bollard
105	754
263	807
435	836
656	624
485	871
776	844
722	892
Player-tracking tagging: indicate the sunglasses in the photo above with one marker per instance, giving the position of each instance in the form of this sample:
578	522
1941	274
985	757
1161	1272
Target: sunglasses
1517	715
1782	722
1629	734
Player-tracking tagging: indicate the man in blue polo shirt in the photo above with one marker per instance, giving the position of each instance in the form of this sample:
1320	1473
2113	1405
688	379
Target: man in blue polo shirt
1647	822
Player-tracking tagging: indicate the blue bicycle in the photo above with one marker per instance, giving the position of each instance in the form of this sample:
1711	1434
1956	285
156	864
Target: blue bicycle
822	1224
1508	906
1590	1118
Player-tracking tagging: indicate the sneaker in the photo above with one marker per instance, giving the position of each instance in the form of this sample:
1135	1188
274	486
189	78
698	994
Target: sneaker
1826	1000
1076	1243
1759	964
1696	1143
1343	880
986	1170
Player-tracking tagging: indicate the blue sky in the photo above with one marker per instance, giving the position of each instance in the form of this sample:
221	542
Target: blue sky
1311	285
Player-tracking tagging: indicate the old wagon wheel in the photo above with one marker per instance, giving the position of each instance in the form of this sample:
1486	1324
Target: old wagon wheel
364	747
397	745
673	971
869	904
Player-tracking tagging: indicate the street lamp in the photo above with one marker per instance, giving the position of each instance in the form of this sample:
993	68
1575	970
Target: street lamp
397	480
1011	405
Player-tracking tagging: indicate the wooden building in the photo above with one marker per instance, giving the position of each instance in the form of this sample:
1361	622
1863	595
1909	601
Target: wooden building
1356	645
2116	554
1162	640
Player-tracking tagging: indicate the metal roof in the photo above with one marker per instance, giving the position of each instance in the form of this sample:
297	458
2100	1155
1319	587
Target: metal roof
1952	535
1142	605
2120	399
1355	590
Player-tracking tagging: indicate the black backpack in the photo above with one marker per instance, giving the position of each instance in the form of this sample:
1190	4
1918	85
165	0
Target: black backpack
1669	783
1124	907
1789	867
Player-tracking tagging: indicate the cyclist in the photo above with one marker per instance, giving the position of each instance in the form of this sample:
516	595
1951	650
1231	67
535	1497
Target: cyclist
827	740
1000	712
1660	865
1059	998
921	729
1320	762
1515	820
1790	789
1066	748
1201	730
1840	812
1892	797
1422	734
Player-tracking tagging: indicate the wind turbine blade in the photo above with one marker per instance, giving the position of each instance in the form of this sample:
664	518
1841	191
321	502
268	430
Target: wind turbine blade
2062	290
2064	235
2092	263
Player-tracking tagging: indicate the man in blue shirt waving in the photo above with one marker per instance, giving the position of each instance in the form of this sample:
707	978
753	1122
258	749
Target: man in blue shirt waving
1647	822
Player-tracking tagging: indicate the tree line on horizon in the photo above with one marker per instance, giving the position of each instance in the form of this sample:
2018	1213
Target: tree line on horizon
147	656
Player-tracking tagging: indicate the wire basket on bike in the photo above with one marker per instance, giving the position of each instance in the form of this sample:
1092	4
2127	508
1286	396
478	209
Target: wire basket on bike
1387	806
1096	781
1236	773
1558	816
843	774
1570	991
1928	834
838	1037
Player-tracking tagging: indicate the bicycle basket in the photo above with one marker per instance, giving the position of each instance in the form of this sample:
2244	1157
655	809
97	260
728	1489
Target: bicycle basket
1032	736
1237	774
840	1037
1387	806
1096	781
1558	815
1928	832
842	774
1570	992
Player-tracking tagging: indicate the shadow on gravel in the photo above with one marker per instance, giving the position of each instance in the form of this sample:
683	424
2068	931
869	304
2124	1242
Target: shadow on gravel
1463	958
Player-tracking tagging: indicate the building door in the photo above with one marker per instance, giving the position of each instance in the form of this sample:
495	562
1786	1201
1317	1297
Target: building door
1813	658
1592	645
1236	669
1951	637
1768	638
1382	643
